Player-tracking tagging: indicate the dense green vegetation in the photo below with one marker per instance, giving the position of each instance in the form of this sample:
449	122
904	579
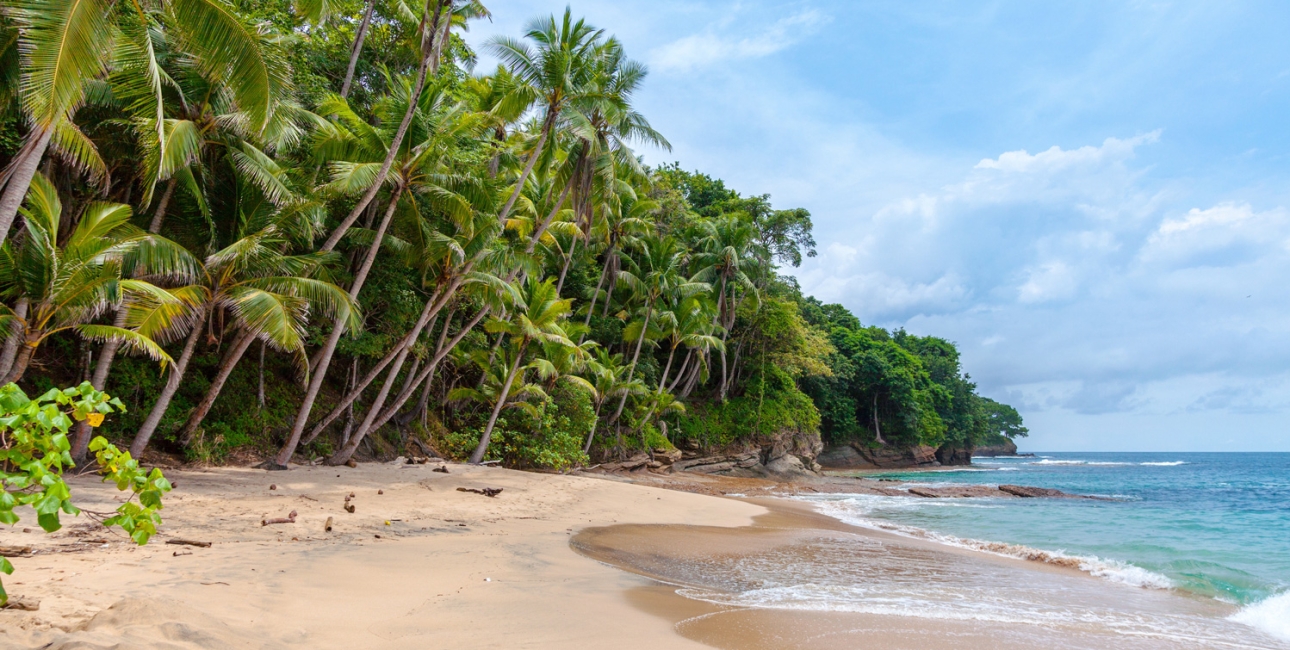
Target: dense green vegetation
337	237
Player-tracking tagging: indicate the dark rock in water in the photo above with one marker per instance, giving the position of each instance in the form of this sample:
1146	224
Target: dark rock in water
1031	492
1008	448
949	455
955	492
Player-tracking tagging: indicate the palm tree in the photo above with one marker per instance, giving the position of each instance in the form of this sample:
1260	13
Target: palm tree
620	226
66	46
68	286
558	71
536	317
726	247
607	372
269	299
657	272
422	174
436	21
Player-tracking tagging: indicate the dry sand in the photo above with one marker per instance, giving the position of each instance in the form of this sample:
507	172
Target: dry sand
450	569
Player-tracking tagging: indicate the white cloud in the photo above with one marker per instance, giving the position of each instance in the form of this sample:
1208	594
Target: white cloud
1049	281
1056	159
712	47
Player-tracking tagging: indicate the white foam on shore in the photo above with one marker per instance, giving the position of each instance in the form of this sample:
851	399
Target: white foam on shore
1271	615
1113	570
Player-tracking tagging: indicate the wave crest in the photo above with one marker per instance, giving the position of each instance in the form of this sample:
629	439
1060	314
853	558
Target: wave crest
1271	615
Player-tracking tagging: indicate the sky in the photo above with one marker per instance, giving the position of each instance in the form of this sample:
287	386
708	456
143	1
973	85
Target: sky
1088	197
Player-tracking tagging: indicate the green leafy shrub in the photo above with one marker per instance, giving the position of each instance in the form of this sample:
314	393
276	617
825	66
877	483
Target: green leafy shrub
770	404
34	452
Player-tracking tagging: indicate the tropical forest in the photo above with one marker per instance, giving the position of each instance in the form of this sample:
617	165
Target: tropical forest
323	231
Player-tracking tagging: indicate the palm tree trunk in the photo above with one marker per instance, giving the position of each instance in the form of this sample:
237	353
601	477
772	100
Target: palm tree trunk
555	210
685	364
20	364
371	376
374	411
338	330
586	324
609	292
349	412
877	428
631	370
595	421
172	386
547	125
478	456
259	393
234	354
160	215
395	143
24	168
14	339
425	375
81	439
358	47
573	247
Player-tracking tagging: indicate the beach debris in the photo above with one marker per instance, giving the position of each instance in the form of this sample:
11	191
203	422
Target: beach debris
182	553
349	507
488	492
15	551
22	604
401	460
188	542
442	469
380	491
351	463
378	536
490	463
273	486
327	526
218	583
289	519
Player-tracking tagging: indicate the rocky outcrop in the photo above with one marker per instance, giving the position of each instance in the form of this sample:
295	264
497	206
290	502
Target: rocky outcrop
786	455
1008	448
859	456
950	455
1031	492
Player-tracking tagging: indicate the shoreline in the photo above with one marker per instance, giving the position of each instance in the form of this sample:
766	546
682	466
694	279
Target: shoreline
424	565
704	610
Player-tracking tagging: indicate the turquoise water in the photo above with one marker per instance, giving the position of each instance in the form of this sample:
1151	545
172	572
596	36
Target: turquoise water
1215	524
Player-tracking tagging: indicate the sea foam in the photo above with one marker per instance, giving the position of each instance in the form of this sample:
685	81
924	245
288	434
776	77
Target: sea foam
1271	615
1112	570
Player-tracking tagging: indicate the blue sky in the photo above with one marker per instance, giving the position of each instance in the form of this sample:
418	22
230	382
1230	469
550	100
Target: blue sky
1089	197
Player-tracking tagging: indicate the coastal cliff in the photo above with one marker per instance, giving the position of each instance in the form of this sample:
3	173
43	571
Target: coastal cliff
860	456
1005	448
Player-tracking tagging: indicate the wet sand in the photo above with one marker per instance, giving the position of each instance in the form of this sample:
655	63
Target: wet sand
1057	607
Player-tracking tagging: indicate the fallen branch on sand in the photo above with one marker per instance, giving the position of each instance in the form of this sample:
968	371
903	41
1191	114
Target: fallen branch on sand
488	492
188	542
289	519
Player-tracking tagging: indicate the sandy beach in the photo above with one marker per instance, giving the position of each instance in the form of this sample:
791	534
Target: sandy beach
420	564
449	569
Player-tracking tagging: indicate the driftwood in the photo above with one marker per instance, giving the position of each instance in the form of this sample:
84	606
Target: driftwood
289	519
442	469
327	526
488	492
188	542
15	551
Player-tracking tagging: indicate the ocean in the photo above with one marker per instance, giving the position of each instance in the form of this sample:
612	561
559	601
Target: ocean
1207	525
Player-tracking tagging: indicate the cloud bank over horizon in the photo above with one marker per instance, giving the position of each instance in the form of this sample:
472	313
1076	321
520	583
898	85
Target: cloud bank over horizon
1089	198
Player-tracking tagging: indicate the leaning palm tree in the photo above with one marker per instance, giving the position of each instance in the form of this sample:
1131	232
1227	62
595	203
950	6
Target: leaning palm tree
536	316
657	272
268	298
608	378
67	286
558	71
418	172
67	46
725	256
